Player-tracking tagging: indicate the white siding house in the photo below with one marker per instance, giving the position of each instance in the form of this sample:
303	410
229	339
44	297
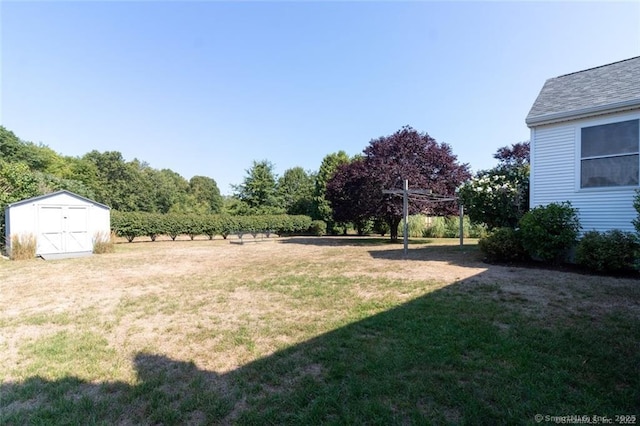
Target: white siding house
585	144
64	224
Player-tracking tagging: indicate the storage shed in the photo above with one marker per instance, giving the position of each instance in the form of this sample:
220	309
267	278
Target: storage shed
64	224
585	144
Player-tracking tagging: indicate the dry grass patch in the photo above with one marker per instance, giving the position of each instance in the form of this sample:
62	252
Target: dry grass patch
23	247
104	242
303	330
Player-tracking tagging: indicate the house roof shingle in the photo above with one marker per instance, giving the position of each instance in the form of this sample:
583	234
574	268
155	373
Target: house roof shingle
593	91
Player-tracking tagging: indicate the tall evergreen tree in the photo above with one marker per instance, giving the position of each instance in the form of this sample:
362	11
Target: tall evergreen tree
259	189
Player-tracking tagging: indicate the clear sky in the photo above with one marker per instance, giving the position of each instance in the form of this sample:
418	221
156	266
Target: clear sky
205	88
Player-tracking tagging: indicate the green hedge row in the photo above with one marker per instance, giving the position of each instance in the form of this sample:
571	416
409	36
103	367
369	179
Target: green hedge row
138	224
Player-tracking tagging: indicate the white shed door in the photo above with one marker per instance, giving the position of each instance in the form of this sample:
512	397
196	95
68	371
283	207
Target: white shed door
77	225
51	230
63	229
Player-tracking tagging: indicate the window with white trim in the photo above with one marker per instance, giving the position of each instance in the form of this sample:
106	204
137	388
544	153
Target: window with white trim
610	155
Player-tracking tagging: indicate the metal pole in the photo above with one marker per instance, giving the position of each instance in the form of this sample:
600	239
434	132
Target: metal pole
405	213
461	214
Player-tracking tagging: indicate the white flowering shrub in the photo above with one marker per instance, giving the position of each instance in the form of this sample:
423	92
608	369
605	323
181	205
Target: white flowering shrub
496	199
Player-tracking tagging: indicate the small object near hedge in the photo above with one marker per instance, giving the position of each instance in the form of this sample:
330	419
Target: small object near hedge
608	251
548	232
503	245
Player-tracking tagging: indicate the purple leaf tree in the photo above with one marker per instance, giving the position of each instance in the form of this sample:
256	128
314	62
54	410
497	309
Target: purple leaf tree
356	189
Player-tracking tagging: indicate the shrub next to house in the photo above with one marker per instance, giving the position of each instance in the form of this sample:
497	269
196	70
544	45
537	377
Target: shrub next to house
548	232
503	245
609	251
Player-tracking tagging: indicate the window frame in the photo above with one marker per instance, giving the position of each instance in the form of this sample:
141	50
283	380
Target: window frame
578	161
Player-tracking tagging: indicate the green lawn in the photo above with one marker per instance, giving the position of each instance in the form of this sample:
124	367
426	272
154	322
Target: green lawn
297	332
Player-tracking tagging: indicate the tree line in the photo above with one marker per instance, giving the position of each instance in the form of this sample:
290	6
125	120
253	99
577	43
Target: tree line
344	191
27	169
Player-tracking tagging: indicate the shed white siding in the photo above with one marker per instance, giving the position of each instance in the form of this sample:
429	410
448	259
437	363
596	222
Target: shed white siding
63	223
555	177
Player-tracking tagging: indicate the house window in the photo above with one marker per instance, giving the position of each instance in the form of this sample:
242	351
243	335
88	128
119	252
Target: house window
610	155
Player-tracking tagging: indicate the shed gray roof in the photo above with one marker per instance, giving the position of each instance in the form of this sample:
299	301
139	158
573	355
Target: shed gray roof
63	191
608	88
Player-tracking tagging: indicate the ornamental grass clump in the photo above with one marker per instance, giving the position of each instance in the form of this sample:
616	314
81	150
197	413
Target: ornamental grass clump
436	229
104	242
23	247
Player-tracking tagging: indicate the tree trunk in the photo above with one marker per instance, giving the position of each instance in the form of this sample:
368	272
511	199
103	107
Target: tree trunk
393	227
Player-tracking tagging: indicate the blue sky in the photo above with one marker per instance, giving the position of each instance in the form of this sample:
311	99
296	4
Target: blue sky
205	88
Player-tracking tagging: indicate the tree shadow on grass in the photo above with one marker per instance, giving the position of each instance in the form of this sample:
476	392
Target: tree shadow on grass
456	355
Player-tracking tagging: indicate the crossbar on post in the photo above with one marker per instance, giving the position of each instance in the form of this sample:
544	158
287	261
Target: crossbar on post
420	193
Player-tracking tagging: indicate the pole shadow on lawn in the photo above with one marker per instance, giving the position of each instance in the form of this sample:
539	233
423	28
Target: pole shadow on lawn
419	249
453	356
347	240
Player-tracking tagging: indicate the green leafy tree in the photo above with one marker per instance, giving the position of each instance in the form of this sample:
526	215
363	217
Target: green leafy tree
167	188
295	189
328	167
37	157
206	191
119	184
233	206
48	183
188	203
10	145
111	185
82	170
17	182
